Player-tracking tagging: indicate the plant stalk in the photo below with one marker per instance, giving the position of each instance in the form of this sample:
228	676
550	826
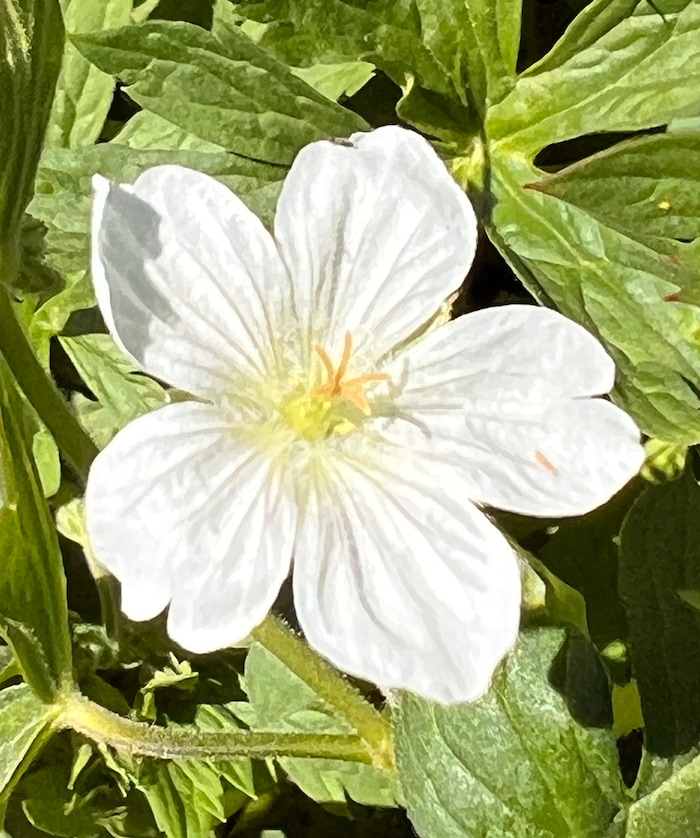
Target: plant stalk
132	737
372	727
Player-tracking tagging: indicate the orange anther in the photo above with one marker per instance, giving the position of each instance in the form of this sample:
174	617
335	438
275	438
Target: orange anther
352	390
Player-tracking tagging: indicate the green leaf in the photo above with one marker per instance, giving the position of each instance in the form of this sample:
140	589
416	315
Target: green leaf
69	793
123	393
48	462
660	556
185	796
619	289
31	43
307	32
636	71
84	93
477	41
392	35
231	93
53	808
24	728
594	20
283	702
514	763
336	80
672	809
190	797
63	202
647	188
36	277
583	553
50	318
146	130
33	610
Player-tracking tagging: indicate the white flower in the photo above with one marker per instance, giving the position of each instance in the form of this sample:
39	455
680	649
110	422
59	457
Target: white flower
321	432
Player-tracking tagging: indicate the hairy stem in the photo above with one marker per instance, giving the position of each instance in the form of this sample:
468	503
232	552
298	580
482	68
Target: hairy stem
331	686
126	735
43	395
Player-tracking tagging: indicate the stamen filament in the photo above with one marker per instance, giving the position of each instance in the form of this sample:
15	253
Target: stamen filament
345	360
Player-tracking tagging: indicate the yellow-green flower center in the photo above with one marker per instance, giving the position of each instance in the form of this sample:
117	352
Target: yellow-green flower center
337	406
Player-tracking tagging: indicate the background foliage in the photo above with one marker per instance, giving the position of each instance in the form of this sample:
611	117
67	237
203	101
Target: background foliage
575	128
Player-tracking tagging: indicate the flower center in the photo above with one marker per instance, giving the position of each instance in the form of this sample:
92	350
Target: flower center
338	405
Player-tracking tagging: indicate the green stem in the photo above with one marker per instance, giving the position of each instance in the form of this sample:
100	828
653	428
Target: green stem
43	395
107	728
331	686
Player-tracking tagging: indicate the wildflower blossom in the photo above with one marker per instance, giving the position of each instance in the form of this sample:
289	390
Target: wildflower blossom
325	430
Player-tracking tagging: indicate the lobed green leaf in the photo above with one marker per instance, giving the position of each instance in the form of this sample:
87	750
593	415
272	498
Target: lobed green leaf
647	188
635	71
227	92
83	93
514	763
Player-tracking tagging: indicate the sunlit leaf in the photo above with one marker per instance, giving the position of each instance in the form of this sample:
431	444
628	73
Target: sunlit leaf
514	763
230	93
637	73
84	93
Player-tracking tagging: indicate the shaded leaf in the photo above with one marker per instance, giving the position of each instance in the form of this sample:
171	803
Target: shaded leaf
31	43
33	610
24	727
583	553
659	556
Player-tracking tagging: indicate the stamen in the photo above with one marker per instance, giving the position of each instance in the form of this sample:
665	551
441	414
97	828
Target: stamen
328	364
345	360
351	390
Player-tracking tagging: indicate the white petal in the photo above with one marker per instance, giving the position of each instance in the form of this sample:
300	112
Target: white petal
399	581
185	274
568	461
179	510
501	393
376	236
530	346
